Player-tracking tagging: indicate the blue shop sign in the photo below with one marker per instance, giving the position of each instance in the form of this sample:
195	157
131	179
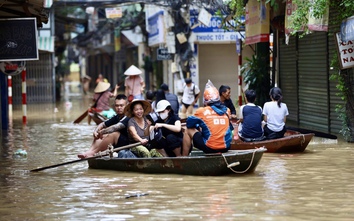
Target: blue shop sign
214	25
347	29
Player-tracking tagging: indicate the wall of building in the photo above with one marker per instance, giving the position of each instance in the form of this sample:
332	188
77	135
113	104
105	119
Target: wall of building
219	63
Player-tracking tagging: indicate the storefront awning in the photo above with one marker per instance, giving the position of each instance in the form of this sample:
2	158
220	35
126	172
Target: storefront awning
46	44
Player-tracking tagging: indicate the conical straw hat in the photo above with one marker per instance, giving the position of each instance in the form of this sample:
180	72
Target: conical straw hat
128	110
102	87
132	70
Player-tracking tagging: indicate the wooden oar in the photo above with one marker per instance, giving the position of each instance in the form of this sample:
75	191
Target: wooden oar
79	119
81	160
317	133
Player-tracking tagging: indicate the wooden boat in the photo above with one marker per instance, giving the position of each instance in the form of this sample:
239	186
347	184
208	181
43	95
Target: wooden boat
292	142
198	163
98	118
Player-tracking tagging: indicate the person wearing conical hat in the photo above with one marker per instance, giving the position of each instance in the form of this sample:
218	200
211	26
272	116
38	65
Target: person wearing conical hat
101	100
134	83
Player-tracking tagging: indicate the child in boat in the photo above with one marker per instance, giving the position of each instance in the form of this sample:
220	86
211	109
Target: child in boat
209	128
171	142
250	127
274	114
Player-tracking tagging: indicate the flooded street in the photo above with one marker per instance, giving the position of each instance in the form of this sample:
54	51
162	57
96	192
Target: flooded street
314	185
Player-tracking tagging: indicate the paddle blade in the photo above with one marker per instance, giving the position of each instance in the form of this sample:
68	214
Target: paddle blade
79	119
84	159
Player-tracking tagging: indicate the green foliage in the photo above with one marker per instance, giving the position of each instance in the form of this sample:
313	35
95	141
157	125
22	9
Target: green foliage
237	7
255	74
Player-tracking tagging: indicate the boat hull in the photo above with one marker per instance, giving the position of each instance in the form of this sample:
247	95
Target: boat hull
197	164
291	143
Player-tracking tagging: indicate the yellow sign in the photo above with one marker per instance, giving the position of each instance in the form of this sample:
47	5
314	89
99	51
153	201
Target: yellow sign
257	21
113	12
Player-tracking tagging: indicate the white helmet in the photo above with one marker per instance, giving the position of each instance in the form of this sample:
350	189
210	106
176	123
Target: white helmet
162	105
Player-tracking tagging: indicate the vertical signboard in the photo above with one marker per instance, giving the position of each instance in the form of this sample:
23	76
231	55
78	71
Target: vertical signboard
257	22
345	52
156	31
18	39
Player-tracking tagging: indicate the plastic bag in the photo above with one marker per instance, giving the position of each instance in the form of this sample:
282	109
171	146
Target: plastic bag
211	94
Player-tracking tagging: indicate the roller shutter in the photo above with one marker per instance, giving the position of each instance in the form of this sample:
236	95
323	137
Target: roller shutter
287	76
313	80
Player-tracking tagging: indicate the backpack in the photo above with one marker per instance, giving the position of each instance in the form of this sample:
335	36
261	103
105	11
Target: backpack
155	137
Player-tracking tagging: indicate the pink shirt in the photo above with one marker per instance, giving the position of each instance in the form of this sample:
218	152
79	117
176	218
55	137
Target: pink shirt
103	102
134	84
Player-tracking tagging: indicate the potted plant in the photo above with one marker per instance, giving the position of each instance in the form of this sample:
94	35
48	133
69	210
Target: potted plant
256	76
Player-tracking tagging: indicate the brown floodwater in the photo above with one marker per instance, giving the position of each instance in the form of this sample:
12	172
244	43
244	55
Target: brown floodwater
314	185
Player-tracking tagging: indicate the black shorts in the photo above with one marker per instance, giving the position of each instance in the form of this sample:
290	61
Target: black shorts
186	105
122	141
272	134
170	142
198	142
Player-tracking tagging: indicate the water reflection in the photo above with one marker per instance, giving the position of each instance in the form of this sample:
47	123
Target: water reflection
314	185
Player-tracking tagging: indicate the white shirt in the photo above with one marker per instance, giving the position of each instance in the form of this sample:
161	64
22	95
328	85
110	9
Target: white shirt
188	95
275	115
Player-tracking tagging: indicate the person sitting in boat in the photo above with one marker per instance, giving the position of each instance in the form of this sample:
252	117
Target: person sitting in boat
225	94
171	142
150	96
209	128
250	122
112	131
138	127
102	101
274	115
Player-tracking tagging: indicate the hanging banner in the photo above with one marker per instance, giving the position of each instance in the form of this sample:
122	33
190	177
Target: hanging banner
313	24
347	29
117	44
345	51
156	29
318	24
257	22
289	10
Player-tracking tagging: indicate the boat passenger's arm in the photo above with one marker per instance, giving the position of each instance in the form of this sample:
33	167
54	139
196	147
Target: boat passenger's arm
135	135
174	128
97	129
113	128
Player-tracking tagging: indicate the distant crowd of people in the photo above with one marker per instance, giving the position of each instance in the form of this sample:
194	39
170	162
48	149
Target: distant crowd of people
153	121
